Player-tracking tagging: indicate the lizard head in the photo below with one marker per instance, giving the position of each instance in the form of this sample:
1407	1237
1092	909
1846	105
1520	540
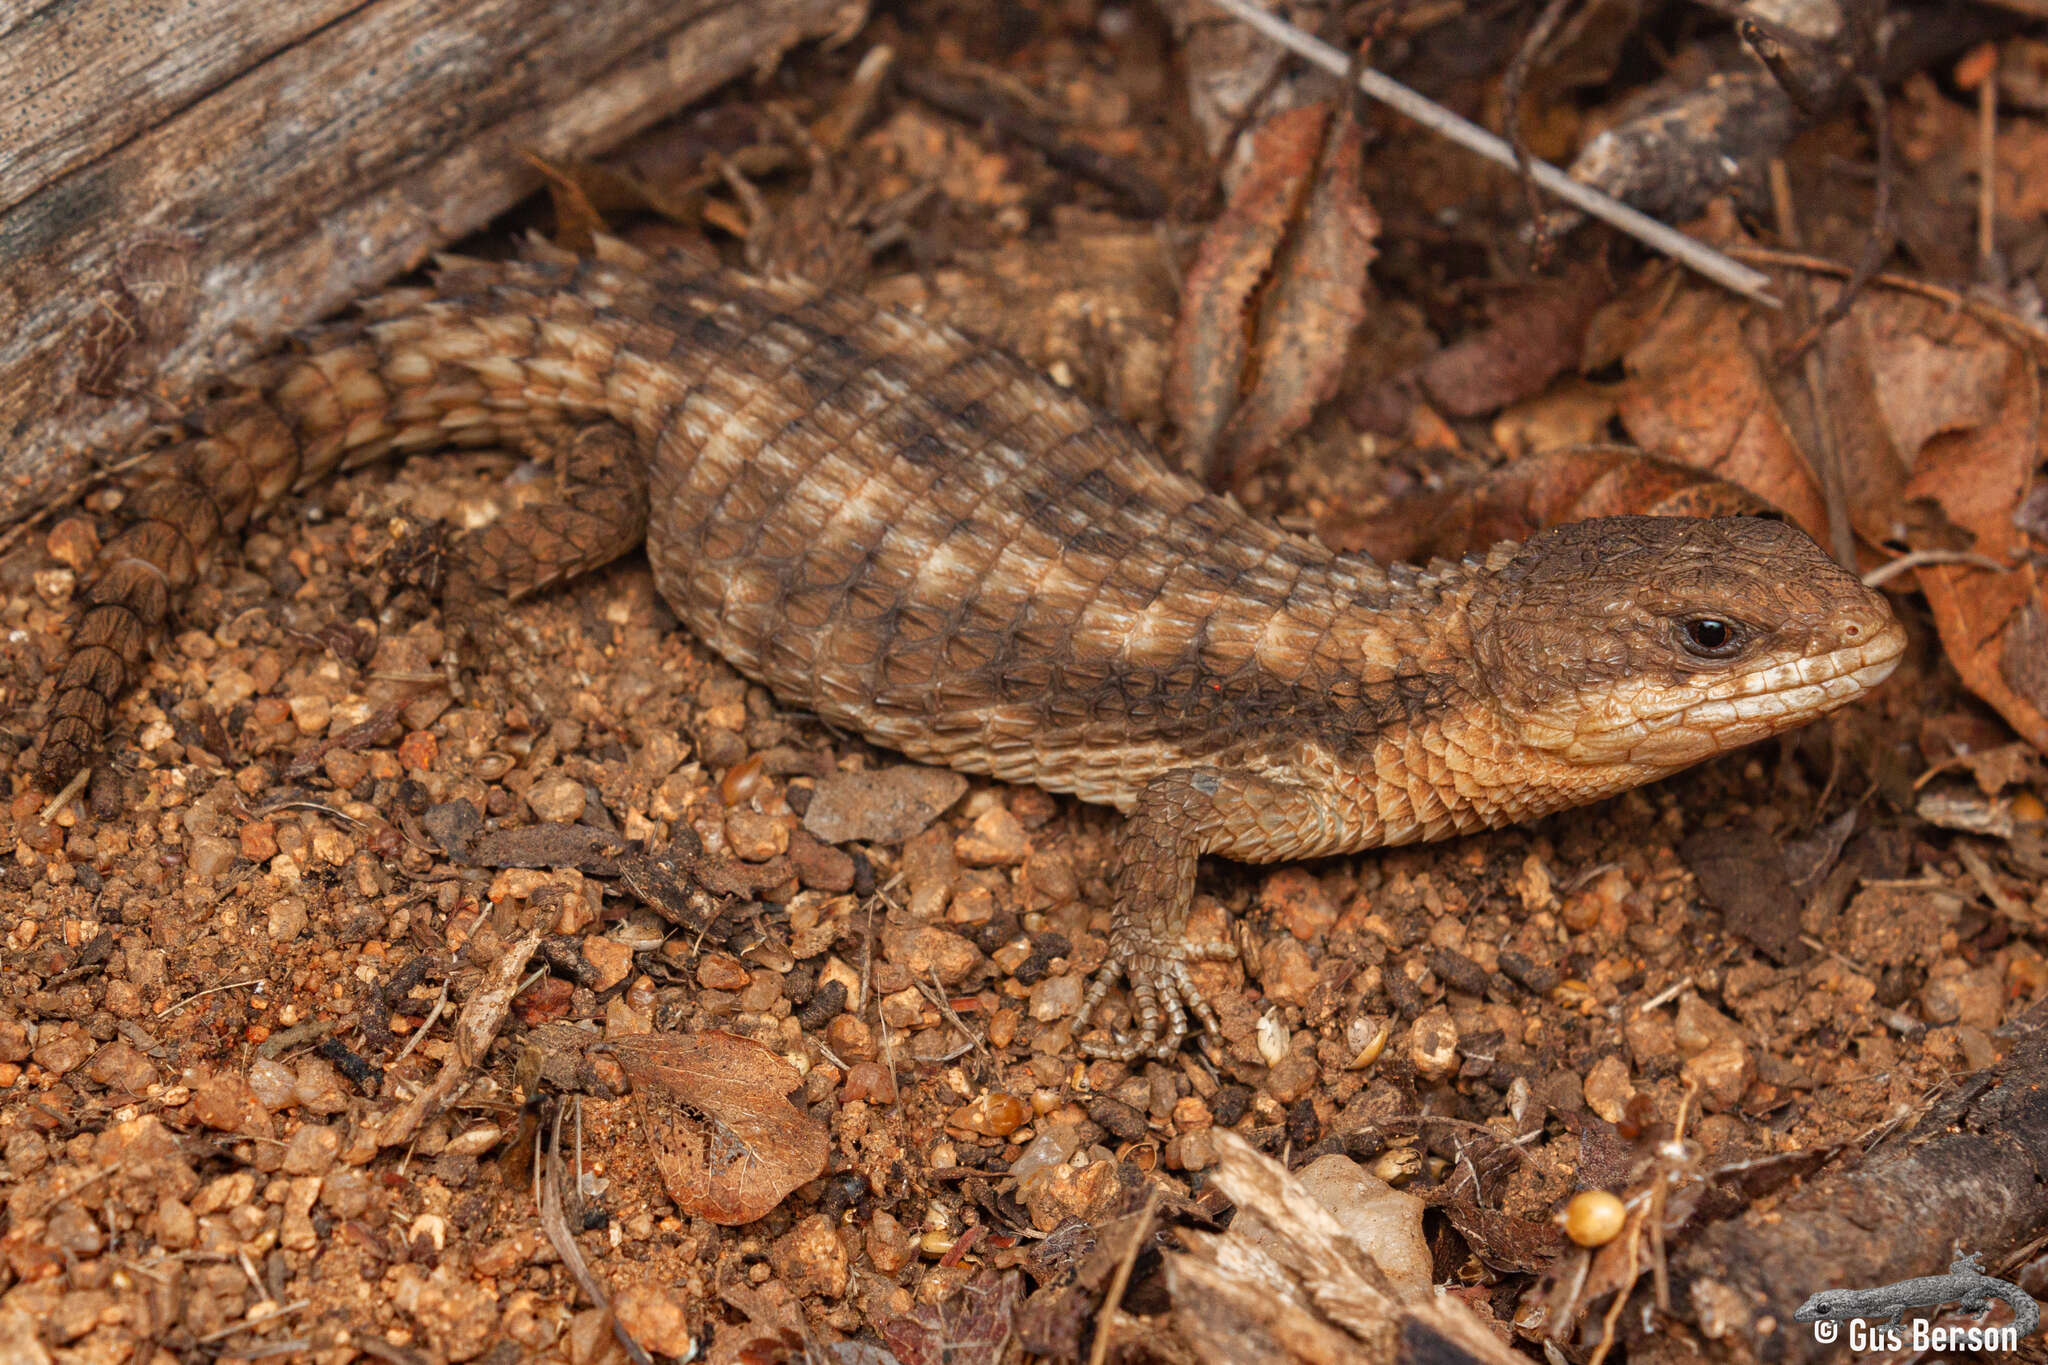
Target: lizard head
1829	1305
1643	644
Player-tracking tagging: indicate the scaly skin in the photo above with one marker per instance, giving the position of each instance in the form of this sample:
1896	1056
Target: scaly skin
922	540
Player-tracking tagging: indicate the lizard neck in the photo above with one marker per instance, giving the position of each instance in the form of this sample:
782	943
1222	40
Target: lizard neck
1418	743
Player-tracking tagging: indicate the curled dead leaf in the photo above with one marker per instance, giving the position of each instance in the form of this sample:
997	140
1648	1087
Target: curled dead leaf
1993	624
1274	293
1305	327
1212	341
729	1144
1700	392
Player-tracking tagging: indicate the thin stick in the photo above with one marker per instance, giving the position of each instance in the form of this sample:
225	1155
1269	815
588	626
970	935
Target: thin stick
246	1326
1122	1278
1913	559
2002	318
210	990
1511	107
433	1015
71	789
1987	174
1433	116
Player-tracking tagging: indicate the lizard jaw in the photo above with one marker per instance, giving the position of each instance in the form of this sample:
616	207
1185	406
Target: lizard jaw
1659	726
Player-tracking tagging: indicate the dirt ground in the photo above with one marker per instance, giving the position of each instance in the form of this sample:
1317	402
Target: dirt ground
231	966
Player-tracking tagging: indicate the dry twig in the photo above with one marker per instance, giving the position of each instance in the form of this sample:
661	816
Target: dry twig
1694	254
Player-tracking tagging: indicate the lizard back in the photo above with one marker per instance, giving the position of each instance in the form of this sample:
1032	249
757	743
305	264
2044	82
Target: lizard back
917	536
922	538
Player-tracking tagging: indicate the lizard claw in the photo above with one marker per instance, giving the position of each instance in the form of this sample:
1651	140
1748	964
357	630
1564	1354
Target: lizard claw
1162	992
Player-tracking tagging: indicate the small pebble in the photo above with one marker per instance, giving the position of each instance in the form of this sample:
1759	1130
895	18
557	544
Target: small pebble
888	1245
211	855
611	960
1433	1045
755	838
722	972
1608	1088
653	1315
883	806
312	713
557	799
995	839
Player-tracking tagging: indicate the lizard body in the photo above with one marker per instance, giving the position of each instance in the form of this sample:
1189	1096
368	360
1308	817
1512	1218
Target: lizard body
1965	1285
921	539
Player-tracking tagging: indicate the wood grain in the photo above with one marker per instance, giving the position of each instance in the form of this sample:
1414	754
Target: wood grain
184	182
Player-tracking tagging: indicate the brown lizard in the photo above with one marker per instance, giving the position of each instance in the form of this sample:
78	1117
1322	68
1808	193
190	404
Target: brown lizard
920	539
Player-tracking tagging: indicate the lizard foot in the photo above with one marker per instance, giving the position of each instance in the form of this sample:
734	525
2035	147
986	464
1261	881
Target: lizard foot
1162	993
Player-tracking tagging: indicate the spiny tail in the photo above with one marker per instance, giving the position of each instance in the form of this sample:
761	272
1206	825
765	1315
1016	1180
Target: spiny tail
421	368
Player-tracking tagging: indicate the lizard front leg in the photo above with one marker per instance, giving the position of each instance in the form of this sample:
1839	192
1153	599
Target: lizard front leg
1177	818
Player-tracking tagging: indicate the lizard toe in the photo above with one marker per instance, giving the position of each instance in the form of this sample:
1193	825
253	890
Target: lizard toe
1163	995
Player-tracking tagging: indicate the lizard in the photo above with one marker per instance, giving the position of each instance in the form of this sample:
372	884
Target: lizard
918	538
1966	1285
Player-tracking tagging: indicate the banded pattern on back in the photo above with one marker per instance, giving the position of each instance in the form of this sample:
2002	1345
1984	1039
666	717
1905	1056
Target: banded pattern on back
926	541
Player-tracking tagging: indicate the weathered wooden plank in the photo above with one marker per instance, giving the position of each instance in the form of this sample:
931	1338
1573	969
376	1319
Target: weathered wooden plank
326	166
94	73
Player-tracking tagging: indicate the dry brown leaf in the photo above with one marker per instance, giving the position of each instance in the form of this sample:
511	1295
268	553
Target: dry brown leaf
1304	329
774	1330
1996	768
1699	393
1534	336
577	221
1502	1240
1573	413
1705	388
1302	1289
1899	370
1992	623
971	1324
1925	384
729	1144
582	192
1274	293
1212	341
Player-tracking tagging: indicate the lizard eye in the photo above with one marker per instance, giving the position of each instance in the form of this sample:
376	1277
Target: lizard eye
1710	637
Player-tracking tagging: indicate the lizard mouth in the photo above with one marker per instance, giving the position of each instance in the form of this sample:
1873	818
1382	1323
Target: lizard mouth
1660	723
